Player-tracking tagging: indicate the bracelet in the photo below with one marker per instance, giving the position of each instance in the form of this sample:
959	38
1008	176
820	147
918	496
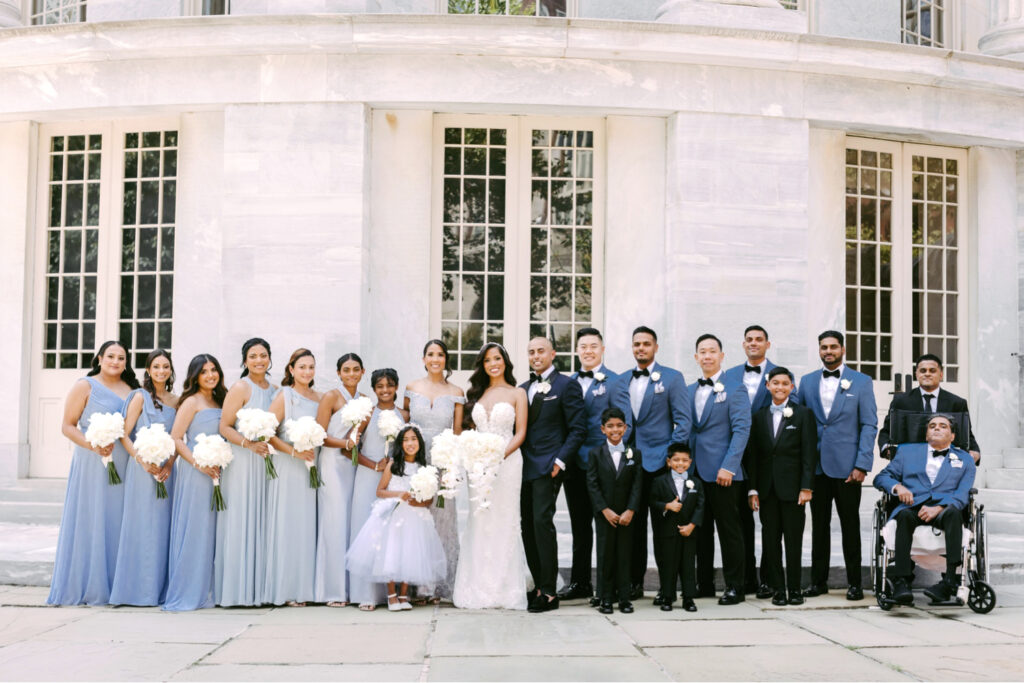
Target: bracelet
243	442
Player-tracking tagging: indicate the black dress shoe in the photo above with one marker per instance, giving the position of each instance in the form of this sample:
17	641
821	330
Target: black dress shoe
626	607
750	588
764	592
543	604
731	597
595	602
576	591
636	591
688	605
943	591
815	589
658	600
531	596
901	592
779	599
854	593
666	607
795	598
705	592
606	608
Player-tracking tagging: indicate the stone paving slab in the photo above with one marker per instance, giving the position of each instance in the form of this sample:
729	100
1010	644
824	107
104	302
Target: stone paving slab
486	633
341	615
25	623
25	596
326	644
300	672
54	660
564	668
959	663
1007	620
708	632
183	627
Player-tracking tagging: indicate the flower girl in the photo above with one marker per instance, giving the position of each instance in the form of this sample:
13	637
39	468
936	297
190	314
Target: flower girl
398	544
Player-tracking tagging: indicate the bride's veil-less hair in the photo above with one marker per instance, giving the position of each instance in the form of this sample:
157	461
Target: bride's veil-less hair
479	380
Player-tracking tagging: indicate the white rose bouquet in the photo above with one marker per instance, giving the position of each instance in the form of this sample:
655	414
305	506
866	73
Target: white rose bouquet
481	454
153	445
259	425
306	434
353	415
444	455
423	484
211	450
104	429
389	423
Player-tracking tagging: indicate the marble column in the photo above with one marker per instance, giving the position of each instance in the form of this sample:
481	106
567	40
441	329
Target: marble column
1005	35
10	14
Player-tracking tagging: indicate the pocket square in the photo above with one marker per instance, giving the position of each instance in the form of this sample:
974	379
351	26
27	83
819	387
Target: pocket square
958	463
659	388
550	398
599	391
721	397
794	427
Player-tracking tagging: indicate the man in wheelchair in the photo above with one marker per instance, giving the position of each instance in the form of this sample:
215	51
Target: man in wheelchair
932	481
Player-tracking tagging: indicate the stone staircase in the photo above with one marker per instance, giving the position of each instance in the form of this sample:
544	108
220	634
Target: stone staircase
1001	490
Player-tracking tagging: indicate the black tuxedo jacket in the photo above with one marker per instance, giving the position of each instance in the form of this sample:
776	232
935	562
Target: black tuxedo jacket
912	401
785	464
663	491
556	427
618	489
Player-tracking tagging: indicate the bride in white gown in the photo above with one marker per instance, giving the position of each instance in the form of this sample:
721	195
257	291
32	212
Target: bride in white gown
492	563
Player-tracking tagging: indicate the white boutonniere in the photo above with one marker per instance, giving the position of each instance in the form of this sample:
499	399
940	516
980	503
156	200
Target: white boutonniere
543	387
599	376
844	384
689	483
787	412
953	456
655	376
629	454
718	388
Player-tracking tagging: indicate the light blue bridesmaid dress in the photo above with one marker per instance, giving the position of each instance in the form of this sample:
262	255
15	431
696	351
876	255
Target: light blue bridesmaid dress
193	527
90	525
334	506
141	574
239	565
362	590
291	518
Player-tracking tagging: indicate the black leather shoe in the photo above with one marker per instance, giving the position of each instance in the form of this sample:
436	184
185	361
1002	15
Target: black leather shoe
731	597
795	598
606	608
764	592
943	591
666	607
658	600
595	602
543	604
531	596
688	605
901	592
705	592
636	591
750	588
815	589
626	607
576	591
854	593
779	599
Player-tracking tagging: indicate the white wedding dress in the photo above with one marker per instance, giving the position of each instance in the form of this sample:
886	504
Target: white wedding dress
492	563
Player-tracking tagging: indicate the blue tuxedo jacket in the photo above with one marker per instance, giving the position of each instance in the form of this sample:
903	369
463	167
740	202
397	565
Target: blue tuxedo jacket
719	435
952	484
556	426
664	416
761	398
846	438
595	400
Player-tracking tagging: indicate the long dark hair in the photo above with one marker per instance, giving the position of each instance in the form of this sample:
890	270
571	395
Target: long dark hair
289	378
249	343
480	380
444	349
397	454
191	385
127	375
147	381
350	356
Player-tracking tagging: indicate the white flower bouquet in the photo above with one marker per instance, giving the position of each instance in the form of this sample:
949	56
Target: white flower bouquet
259	425
353	415
153	445
104	429
444	455
211	450
423	484
481	455
306	434
389	423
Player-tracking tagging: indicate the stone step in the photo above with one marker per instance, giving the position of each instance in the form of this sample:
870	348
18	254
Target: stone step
30	512
1012	457
1006	478
991	461
34	490
1004	523
1002	500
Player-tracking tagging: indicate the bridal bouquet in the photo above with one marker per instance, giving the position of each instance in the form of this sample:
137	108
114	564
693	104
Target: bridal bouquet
481	454
259	425
153	445
306	434
444	455
423	484
211	450
104	429
389	423
353	415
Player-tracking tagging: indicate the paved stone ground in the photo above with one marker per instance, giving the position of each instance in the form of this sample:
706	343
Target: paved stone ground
826	639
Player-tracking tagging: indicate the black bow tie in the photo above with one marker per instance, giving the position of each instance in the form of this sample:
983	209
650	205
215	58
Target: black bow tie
830	373
641	373
534	377
752	368
705	382
585	373
940	454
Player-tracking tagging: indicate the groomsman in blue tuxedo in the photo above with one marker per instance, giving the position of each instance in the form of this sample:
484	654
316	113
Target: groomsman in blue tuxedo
595	380
718	439
753	374
657	407
843	403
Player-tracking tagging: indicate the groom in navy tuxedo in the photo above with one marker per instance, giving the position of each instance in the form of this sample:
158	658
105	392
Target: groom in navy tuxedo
555	430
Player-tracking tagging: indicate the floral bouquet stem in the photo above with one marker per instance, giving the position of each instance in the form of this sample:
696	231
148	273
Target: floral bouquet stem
217	502
355	453
112	476
161	490
315	481
268	465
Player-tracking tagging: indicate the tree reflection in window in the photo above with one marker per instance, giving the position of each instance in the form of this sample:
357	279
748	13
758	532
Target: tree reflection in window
539	8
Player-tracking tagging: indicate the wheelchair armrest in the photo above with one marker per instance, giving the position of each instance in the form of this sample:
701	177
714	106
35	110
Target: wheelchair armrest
973	492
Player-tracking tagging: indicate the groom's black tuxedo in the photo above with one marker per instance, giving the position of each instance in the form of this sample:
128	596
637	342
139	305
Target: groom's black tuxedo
555	429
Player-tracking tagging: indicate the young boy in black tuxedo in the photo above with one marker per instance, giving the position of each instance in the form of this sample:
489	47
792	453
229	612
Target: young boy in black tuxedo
780	461
677	499
613	480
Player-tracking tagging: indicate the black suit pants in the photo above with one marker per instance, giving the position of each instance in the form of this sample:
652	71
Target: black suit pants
721	511
614	556
537	512
949	520
581	517
639	561
676	564
847	500
781	520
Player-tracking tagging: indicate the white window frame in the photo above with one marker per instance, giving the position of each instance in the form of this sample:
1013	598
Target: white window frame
572	10
952	26
517	222
27	13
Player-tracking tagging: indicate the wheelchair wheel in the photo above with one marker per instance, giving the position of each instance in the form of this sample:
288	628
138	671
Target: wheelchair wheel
884	597
982	599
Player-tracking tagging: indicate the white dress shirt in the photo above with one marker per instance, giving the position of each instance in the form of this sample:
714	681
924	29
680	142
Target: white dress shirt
827	390
680	484
700	397
932	465
616	452
585	382
777	416
637	389
753	380
532	391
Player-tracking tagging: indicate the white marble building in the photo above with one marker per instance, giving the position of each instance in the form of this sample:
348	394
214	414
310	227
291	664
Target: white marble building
361	175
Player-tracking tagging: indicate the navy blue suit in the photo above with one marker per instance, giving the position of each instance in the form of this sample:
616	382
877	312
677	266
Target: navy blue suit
718	441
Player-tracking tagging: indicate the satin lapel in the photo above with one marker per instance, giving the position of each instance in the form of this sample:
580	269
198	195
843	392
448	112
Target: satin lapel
708	404
944	469
837	403
812	399
771	431
762	387
645	405
535	406
622	463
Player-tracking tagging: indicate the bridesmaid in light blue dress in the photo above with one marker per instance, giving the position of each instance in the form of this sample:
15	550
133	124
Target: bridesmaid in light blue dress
434	404
291	503
193	521
239	563
141	574
334	500
90	525
372	458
